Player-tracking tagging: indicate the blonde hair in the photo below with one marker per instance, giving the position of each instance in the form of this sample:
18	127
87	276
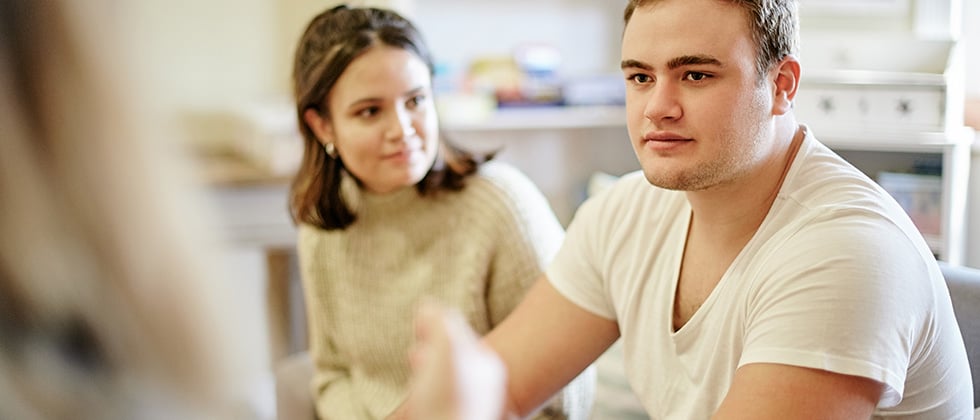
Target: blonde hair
109	306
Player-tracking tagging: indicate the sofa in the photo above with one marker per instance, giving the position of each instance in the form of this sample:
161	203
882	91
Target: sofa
964	288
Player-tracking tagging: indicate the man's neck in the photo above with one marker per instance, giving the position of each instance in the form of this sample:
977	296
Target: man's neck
734	211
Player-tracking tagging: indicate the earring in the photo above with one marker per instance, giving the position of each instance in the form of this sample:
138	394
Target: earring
330	149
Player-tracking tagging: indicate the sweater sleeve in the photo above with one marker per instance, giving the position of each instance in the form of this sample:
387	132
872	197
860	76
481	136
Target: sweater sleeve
529	236
331	386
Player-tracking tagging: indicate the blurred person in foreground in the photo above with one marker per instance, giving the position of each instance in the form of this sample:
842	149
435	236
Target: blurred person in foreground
750	271
389	211
109	309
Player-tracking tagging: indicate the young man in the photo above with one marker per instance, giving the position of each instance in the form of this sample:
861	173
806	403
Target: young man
751	272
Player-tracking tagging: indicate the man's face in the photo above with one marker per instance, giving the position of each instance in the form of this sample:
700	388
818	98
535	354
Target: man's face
698	114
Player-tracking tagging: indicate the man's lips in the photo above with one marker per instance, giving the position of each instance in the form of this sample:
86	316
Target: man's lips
665	142
664	136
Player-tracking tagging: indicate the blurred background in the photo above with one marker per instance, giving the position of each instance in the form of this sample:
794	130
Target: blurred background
890	84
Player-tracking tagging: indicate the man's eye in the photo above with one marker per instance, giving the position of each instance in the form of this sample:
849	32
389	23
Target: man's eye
640	78
696	76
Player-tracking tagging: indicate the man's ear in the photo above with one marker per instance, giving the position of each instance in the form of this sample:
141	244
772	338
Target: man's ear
785	84
321	127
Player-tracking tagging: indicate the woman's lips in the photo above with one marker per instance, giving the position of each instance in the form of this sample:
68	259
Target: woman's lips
401	155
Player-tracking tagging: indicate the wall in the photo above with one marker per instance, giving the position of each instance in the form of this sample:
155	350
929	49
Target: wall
973	211
586	34
200	58
971	44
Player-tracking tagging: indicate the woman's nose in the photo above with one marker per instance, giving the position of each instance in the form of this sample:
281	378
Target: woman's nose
401	125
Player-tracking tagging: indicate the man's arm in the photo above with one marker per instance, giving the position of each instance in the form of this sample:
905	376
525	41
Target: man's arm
545	343
773	391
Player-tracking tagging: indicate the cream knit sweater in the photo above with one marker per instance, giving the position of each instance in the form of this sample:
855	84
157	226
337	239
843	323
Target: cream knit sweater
478	250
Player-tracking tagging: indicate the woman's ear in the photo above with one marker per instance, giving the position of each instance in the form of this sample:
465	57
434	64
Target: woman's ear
321	127
785	84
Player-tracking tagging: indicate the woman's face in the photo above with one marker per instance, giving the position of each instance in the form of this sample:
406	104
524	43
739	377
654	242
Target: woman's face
382	119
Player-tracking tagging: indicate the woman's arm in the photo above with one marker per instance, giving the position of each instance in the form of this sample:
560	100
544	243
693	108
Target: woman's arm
331	386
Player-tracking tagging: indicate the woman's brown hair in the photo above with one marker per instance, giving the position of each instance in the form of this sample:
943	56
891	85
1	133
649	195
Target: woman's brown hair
330	43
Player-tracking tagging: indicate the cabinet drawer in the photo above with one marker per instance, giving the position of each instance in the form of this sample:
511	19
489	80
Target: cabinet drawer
830	107
871	108
914	109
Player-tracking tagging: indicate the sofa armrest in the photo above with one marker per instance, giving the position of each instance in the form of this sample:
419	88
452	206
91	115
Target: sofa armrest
964	289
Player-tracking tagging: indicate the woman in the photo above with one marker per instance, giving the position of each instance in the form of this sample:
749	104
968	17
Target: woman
388	212
110	305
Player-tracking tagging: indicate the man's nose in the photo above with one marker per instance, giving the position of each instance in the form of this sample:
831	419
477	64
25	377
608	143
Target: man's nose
663	103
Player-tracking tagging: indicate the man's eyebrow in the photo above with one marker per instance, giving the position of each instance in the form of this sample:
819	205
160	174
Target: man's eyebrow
626	64
684	60
692	60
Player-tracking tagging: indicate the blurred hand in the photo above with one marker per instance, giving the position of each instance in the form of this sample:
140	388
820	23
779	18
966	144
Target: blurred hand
456	376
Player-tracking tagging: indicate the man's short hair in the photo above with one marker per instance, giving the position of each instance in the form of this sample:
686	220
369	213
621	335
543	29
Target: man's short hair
774	24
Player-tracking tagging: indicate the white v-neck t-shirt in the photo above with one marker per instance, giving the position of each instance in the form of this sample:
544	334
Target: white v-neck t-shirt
836	278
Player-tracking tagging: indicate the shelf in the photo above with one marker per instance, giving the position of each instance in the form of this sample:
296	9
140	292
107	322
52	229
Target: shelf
897	141
538	118
229	170
873	78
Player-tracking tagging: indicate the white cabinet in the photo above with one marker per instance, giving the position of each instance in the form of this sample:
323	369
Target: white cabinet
883	85
865	106
893	105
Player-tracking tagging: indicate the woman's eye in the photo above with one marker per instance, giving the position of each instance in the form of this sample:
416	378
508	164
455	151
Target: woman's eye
696	76
368	112
416	100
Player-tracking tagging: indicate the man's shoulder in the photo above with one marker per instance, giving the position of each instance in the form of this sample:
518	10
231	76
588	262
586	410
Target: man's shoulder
823	182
